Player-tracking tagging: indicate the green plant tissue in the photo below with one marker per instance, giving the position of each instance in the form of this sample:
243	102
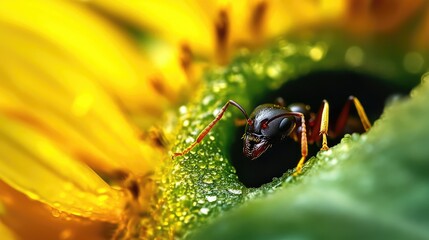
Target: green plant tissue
374	185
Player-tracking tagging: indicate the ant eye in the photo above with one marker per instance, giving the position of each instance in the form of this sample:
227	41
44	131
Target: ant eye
264	124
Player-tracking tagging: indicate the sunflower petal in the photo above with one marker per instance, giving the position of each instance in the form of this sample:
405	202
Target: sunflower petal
270	19
30	219
59	98
5	233
92	45
187	23
4	230
33	165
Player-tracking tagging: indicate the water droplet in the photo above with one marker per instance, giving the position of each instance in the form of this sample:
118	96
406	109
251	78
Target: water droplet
236	78
333	161
183	110
211	198
354	56
188	218
189	140
186	123
55	212
235	191
287	49
219	86
208	99
204	211
103	198
413	62
258	68
317	52
208	180
289	179
102	190
275	69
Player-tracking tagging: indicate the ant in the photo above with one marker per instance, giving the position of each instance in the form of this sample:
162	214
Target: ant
269	124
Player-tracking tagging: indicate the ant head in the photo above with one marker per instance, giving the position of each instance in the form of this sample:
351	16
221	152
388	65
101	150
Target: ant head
265	126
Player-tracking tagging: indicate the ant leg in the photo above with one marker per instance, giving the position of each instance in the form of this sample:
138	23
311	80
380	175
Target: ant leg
321	126
304	144
210	126
342	119
324	124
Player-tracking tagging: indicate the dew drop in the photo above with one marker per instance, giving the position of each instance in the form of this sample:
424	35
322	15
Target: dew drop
55	212
286	48
189	140
183	110
235	191
219	86
208	181
208	99
289	179
187	219
317	52
354	56
274	70
103	198
211	198
237	78
204	211
333	161
258	68
186	123
413	62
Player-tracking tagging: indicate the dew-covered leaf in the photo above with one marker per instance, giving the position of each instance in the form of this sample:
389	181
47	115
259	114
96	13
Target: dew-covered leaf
344	185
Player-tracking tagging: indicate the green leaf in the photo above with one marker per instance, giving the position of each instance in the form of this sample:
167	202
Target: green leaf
369	187
353	186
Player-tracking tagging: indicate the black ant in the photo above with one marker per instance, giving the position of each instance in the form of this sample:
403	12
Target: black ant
270	123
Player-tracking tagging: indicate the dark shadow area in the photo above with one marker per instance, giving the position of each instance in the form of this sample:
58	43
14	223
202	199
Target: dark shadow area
335	87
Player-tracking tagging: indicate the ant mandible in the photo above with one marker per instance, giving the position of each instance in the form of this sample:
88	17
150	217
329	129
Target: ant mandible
270	123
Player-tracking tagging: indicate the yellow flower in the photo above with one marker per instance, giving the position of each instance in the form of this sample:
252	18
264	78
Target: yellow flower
79	90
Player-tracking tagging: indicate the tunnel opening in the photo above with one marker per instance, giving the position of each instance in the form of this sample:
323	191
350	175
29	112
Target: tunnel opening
335	87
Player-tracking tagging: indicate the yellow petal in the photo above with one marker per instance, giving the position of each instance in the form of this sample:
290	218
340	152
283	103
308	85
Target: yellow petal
179	22
30	219
5	233
89	43
264	20
33	165
61	100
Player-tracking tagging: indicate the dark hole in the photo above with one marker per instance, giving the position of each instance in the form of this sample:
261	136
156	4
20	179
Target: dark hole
335	87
